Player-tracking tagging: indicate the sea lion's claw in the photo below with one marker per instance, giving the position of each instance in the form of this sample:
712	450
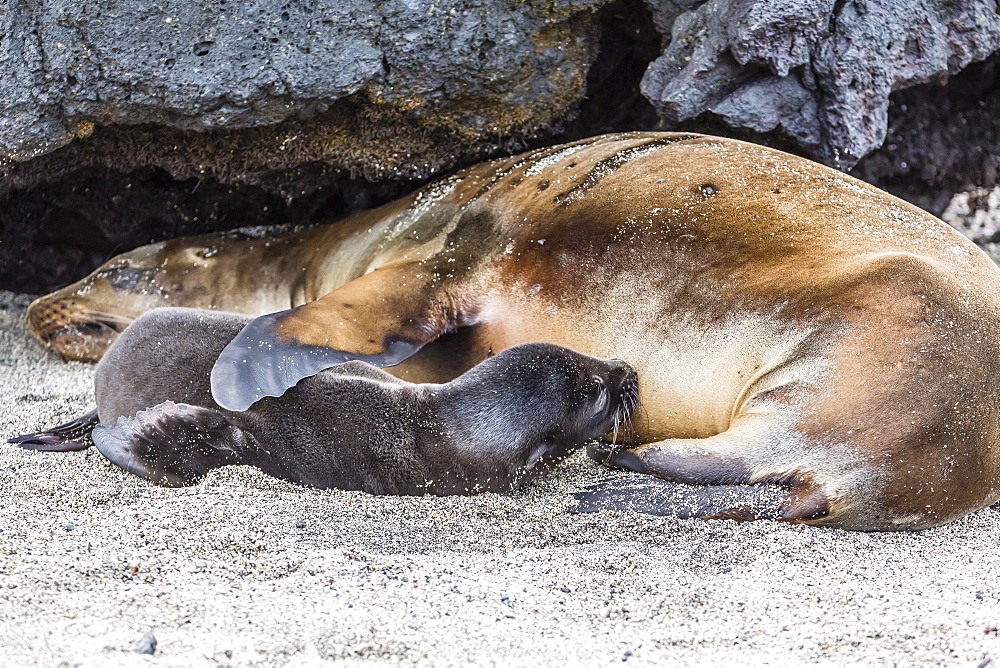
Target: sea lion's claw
256	364
73	435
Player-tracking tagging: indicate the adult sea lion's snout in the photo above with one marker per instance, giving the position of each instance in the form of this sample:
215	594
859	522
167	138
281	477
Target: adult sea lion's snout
73	329
231	272
80	321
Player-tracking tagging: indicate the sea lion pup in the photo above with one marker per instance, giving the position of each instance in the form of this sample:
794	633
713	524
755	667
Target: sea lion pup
355	426
789	323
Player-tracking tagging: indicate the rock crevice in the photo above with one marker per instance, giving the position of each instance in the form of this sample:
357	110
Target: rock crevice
818	71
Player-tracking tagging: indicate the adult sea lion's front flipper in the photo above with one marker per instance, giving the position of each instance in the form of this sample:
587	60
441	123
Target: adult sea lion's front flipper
381	318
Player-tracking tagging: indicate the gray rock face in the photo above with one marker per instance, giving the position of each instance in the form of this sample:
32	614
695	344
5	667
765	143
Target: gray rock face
943	138
475	68
124	122
817	71
241	91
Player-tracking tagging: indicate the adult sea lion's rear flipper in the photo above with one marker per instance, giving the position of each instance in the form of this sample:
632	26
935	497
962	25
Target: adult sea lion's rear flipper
73	435
381	318
171	444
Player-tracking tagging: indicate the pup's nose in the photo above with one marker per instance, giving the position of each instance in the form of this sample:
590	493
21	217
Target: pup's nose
623	373
617	365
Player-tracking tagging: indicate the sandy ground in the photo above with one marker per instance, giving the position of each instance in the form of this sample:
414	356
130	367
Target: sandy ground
246	570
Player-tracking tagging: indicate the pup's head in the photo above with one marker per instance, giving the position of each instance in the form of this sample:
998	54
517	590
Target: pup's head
533	404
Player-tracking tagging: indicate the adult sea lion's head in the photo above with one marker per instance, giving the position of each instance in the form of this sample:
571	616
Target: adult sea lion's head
80	321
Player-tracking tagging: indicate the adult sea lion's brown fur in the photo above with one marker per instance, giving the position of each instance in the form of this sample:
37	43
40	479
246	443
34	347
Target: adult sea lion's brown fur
788	323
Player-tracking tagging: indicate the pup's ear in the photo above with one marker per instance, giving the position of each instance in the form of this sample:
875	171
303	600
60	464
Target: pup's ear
538	452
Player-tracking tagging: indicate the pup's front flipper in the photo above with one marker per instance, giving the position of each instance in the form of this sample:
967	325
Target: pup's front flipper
171	444
381	318
73	435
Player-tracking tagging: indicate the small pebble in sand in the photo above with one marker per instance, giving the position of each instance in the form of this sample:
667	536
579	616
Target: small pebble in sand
146	644
70	527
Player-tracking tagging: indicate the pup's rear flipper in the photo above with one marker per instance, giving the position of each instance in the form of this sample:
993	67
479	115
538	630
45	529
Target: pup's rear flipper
73	435
171	444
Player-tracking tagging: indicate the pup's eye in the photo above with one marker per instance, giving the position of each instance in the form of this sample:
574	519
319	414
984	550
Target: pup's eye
599	393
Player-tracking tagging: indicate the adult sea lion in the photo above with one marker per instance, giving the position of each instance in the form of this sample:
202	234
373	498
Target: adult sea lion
789	323
352	427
